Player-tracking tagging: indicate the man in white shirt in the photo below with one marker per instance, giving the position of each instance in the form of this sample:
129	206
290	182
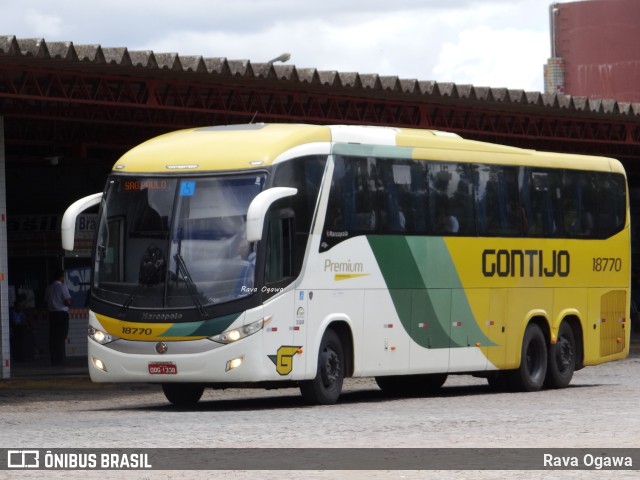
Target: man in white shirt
58	301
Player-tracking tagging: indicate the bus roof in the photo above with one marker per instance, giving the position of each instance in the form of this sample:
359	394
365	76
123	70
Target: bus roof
231	147
237	147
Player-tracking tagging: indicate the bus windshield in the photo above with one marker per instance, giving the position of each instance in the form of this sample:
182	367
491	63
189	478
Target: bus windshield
175	243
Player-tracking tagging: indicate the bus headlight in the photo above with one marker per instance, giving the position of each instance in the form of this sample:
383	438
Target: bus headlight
236	334
99	336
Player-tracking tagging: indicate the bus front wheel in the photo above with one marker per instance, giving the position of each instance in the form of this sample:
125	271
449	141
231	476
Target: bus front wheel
182	394
529	377
327	386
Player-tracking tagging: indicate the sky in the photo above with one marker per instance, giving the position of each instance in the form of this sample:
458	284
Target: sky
488	43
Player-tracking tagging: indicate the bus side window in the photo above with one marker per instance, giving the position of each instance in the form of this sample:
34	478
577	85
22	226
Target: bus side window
352	209
393	195
367	187
451	199
278	270
305	174
419	198
540	192
497	204
612	211
579	198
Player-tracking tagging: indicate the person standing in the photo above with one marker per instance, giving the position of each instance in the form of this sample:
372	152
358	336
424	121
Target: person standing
58	301
23	341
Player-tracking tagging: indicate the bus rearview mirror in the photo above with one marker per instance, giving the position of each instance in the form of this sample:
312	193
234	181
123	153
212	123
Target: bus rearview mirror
258	209
68	226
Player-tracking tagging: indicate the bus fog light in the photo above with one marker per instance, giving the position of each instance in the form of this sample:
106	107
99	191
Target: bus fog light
99	364
235	363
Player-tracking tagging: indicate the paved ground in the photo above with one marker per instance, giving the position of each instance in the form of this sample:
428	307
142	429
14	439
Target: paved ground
601	409
53	407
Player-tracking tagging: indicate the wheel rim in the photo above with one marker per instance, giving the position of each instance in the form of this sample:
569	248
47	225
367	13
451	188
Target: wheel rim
330	368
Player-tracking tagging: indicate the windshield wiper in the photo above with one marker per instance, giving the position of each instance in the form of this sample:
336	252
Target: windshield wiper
193	291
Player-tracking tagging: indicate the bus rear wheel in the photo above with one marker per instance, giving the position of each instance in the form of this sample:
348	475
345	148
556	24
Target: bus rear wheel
562	358
529	377
182	394
325	389
411	384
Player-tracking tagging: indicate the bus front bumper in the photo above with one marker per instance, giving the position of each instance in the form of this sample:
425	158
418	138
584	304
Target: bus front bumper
200	361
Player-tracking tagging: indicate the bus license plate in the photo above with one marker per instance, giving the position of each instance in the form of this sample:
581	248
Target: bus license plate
166	368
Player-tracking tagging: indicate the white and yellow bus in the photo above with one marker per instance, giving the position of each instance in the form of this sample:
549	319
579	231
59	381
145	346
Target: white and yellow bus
299	255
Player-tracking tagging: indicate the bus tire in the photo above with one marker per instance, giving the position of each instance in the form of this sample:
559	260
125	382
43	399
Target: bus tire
411	384
182	394
326	387
562	358
529	377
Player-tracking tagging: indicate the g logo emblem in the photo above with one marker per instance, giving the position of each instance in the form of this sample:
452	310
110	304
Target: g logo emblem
284	359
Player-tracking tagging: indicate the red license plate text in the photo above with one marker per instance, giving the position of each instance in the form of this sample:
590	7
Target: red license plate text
156	368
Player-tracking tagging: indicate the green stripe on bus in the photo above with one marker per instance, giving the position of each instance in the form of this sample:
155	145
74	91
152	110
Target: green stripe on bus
421	277
206	328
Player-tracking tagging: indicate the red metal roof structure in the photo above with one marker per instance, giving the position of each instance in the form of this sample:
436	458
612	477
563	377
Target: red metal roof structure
84	97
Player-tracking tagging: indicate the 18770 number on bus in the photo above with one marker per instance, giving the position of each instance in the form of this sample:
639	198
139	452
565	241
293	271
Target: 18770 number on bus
607	264
136	331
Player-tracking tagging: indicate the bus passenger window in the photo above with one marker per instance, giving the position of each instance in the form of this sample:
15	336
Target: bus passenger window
393	200
612	207
579	199
451	199
418	218
305	174
497	203
352	208
541	195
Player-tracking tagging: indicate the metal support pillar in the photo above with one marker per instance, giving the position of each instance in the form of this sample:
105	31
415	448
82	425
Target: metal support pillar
5	345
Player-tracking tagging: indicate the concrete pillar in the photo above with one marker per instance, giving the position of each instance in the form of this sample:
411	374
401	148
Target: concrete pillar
5	348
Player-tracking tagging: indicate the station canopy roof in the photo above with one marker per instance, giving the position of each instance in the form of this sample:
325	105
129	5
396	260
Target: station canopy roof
132	95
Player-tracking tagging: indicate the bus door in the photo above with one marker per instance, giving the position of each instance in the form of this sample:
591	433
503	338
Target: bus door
279	304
